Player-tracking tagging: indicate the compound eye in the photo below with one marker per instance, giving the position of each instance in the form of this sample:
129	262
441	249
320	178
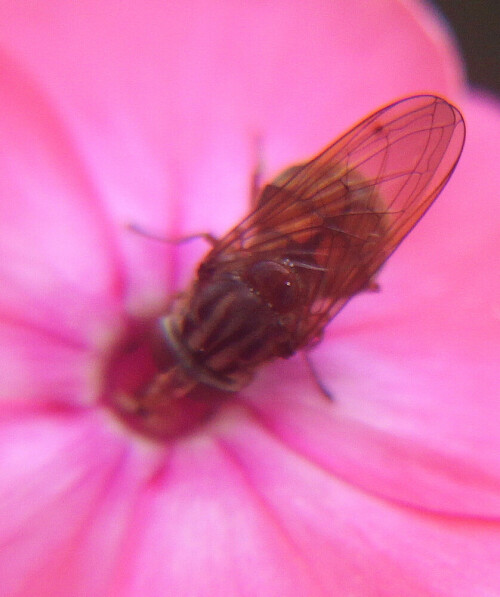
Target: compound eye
276	284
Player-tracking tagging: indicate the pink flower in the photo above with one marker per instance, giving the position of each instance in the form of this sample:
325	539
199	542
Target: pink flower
145	113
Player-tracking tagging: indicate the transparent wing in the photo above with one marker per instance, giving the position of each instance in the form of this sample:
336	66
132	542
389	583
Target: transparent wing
338	217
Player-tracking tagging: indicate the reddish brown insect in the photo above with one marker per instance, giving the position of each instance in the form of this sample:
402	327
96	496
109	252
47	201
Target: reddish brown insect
318	235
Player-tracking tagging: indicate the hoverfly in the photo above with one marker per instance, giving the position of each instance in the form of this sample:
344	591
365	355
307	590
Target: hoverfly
318	235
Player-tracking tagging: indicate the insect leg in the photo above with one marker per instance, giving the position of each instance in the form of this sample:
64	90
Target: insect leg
209	238
257	171
320	385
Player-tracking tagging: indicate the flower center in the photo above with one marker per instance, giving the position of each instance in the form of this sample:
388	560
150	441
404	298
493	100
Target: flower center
148	391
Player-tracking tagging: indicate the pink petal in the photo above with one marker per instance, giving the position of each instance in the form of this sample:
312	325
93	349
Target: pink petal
67	489
54	242
202	510
354	544
179	102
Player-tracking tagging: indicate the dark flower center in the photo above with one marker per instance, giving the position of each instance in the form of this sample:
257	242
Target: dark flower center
140	383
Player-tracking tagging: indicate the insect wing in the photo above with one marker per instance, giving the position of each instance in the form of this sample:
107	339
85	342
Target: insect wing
338	217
